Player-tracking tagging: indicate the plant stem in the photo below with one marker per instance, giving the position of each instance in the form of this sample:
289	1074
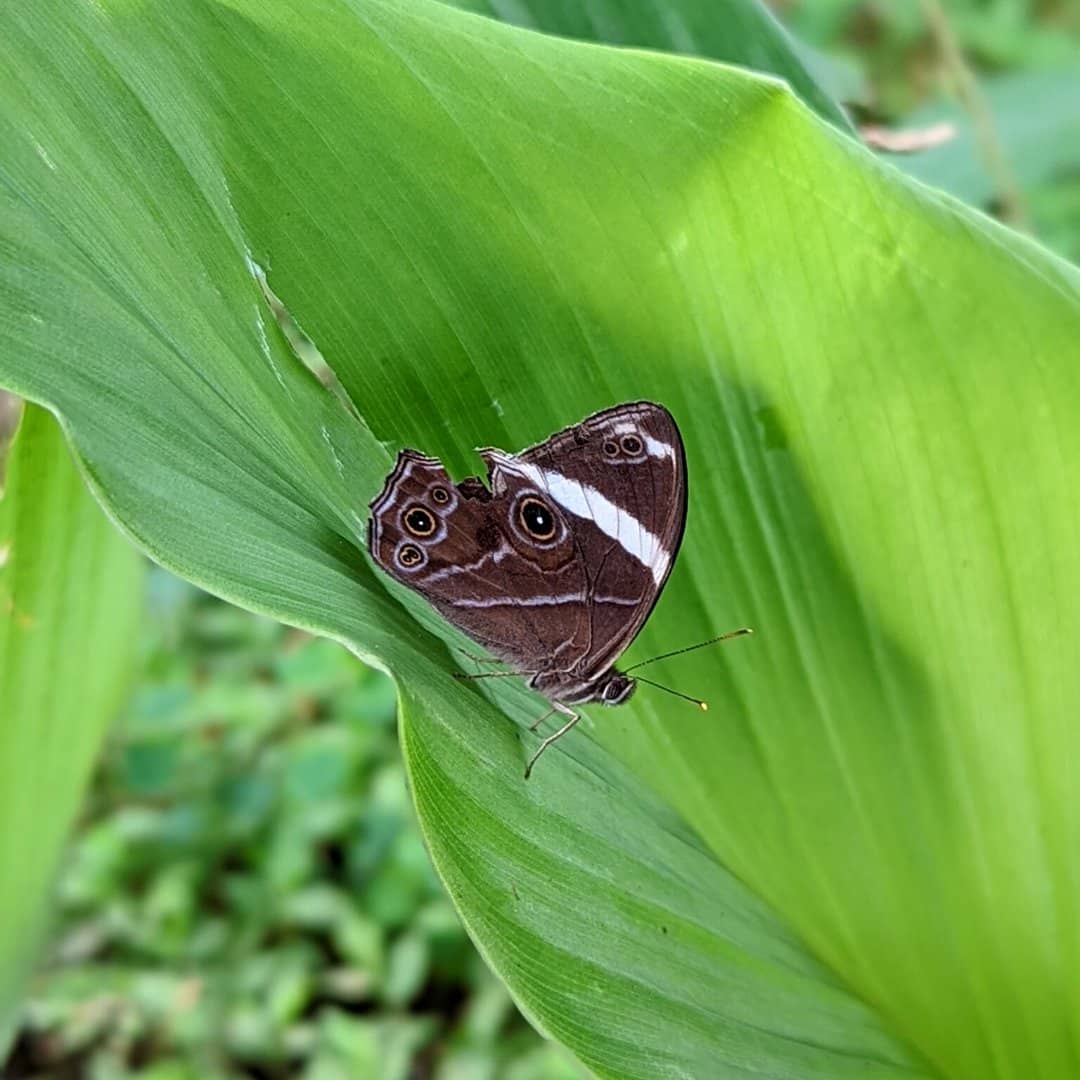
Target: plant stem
1011	207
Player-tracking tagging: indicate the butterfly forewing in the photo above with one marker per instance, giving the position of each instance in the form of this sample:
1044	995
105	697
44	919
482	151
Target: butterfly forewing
625	468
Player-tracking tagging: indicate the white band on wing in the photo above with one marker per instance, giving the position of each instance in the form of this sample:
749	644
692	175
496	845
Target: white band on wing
542	601
518	601
586	502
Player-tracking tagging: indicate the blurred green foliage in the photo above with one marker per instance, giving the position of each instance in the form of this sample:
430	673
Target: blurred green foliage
249	893
891	48
888	66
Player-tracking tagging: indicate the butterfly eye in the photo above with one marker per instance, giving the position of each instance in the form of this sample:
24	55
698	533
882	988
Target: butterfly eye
631	444
537	520
611	448
410	555
440	496
419	522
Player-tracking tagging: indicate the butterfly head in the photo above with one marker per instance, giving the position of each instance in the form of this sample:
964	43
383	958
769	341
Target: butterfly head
616	688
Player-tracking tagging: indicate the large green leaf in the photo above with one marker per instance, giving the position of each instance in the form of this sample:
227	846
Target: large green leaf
743	32
490	233
69	608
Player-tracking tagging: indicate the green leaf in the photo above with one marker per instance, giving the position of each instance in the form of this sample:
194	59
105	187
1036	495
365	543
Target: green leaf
743	32
70	591
860	862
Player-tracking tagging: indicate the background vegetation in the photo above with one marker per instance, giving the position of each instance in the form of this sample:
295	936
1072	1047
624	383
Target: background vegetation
248	894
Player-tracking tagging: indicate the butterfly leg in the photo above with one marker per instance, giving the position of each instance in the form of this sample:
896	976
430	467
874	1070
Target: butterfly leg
536	723
574	718
477	659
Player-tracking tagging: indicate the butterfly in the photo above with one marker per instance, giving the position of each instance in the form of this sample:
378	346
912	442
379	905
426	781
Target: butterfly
555	564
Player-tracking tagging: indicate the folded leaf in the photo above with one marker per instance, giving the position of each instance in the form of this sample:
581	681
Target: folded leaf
490	233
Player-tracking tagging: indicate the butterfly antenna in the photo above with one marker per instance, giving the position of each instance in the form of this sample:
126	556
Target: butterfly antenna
690	648
702	705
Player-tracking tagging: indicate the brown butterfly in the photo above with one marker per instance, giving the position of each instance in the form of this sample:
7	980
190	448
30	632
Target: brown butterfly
554	565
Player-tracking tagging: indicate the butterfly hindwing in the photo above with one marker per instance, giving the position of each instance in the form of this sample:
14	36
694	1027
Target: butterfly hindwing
473	559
